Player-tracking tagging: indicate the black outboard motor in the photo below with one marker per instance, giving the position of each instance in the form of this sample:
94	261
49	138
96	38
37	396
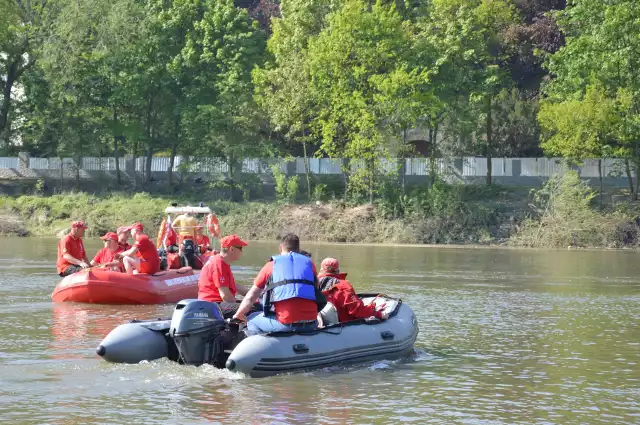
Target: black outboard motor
189	253
198	329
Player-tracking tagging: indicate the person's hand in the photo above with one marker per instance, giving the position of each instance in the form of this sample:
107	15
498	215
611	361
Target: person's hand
384	316
84	265
240	317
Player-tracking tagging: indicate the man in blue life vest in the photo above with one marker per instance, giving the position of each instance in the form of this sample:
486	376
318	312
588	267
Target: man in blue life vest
290	298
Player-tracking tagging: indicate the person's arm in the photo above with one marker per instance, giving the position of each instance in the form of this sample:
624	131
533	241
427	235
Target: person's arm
242	290
128	253
247	302
254	293
73	260
321	300
96	259
226	294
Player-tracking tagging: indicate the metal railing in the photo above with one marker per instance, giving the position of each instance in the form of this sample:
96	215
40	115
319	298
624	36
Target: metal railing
463	167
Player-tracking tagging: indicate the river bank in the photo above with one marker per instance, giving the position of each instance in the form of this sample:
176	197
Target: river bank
318	221
560	215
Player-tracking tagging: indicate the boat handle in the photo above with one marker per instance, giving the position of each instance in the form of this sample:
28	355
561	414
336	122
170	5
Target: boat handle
300	348
386	335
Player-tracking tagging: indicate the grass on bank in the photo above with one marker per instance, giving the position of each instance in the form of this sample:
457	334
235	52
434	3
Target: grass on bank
564	215
441	214
567	215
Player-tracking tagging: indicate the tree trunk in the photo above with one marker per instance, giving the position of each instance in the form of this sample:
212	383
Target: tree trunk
372	173
600	178
115	144
174	148
61	174
635	193
148	129
403	161
306	168
135	171
489	137
346	170
147	164
78	161
432	159
6	102
627	169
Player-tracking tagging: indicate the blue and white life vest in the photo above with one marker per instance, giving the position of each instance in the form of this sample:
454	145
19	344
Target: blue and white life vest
292	277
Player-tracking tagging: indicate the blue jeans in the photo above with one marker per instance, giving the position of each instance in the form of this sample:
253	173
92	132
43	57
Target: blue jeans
257	323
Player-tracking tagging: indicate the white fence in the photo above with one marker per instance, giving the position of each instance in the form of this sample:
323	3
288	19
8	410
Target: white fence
463	167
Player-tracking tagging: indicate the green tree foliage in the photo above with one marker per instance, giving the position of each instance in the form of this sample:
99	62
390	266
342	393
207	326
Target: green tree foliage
470	43
595	74
360	70
21	26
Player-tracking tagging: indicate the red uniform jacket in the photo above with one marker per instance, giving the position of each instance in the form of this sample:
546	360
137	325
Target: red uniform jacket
341	294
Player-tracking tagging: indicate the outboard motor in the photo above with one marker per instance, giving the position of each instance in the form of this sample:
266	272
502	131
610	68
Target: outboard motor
189	252
198	329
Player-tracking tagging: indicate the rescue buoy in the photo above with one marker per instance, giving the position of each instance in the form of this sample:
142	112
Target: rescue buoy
163	228
213	225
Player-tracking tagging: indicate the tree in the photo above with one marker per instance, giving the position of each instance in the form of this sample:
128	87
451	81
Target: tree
20	25
469	38
359	65
603	47
218	46
283	85
590	127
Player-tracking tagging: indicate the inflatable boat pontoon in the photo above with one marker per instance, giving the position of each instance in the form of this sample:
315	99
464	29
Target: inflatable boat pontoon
102	286
199	334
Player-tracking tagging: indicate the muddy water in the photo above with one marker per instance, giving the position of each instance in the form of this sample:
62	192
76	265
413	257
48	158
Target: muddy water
506	337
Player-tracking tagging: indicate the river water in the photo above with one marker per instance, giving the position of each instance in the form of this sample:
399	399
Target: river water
506	337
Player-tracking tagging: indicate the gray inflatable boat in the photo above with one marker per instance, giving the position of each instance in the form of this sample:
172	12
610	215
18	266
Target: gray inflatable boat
198	333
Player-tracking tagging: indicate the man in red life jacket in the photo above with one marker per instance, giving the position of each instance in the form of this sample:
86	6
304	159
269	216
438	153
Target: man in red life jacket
106	256
143	256
72	256
339	292
290	298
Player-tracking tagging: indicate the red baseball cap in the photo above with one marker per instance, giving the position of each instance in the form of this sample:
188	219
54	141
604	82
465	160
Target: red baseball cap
123	229
330	265
232	240
109	236
138	226
79	225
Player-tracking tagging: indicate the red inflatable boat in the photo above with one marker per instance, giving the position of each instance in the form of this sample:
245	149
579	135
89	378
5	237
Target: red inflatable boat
102	286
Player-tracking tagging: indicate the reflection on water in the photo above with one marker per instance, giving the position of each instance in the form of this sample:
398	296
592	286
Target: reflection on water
506	337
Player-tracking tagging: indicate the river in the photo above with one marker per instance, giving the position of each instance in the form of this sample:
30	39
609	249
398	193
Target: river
506	337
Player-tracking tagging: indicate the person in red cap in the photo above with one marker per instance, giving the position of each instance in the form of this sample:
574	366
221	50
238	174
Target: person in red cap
143	256
202	240
216	283
71	254
124	233
339	292
106	257
290	298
